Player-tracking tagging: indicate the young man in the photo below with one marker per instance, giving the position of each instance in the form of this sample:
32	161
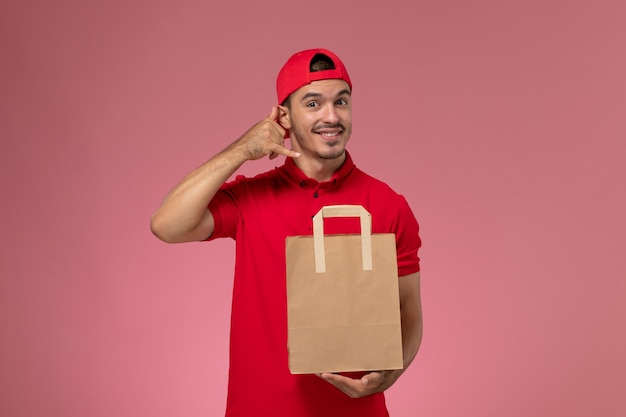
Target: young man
315	112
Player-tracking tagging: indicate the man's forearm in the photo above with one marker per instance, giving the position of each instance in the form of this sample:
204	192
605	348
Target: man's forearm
183	214
411	316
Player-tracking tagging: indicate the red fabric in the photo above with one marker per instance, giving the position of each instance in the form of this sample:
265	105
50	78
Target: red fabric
259	213
296	72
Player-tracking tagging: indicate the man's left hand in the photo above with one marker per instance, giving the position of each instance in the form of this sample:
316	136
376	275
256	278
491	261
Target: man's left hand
368	384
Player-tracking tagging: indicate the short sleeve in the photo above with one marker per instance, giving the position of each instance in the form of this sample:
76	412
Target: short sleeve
225	212
408	241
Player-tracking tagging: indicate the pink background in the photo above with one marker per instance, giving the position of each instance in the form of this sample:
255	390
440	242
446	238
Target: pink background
503	123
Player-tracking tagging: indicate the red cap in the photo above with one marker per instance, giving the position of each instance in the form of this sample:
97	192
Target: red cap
297	72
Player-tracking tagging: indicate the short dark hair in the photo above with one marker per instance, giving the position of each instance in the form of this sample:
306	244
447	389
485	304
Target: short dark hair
321	62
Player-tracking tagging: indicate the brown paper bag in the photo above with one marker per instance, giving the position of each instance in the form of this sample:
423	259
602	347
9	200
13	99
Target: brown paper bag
342	298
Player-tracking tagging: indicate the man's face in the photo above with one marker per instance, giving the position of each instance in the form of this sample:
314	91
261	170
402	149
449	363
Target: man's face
320	119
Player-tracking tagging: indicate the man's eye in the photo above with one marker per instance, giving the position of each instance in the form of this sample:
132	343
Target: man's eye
312	104
342	101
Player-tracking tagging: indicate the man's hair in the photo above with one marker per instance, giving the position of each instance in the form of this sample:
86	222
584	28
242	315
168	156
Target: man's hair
319	62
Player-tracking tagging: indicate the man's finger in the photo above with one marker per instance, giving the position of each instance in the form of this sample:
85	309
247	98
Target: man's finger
274	113
373	377
281	150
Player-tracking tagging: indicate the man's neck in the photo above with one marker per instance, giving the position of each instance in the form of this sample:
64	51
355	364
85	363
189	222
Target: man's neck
319	169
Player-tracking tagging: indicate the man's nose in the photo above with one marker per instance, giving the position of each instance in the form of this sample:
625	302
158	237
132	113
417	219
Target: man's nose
330	114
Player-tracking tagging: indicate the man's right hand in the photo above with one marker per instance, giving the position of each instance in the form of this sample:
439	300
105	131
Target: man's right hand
267	137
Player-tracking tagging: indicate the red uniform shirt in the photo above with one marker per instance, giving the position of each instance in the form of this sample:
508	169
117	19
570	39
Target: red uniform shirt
259	213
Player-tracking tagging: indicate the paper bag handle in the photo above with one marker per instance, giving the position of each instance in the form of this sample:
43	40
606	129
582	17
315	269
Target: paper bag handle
342	211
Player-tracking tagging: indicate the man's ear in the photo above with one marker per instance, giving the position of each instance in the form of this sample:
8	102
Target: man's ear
283	117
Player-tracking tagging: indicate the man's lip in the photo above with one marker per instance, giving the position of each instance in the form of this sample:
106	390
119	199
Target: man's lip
329	133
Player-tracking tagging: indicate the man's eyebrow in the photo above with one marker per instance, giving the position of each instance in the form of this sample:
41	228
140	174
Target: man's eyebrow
314	94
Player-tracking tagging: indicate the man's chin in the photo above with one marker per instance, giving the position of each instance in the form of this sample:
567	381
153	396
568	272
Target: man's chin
332	153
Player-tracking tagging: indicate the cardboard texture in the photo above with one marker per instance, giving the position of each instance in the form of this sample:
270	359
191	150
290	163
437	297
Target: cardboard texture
342	298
